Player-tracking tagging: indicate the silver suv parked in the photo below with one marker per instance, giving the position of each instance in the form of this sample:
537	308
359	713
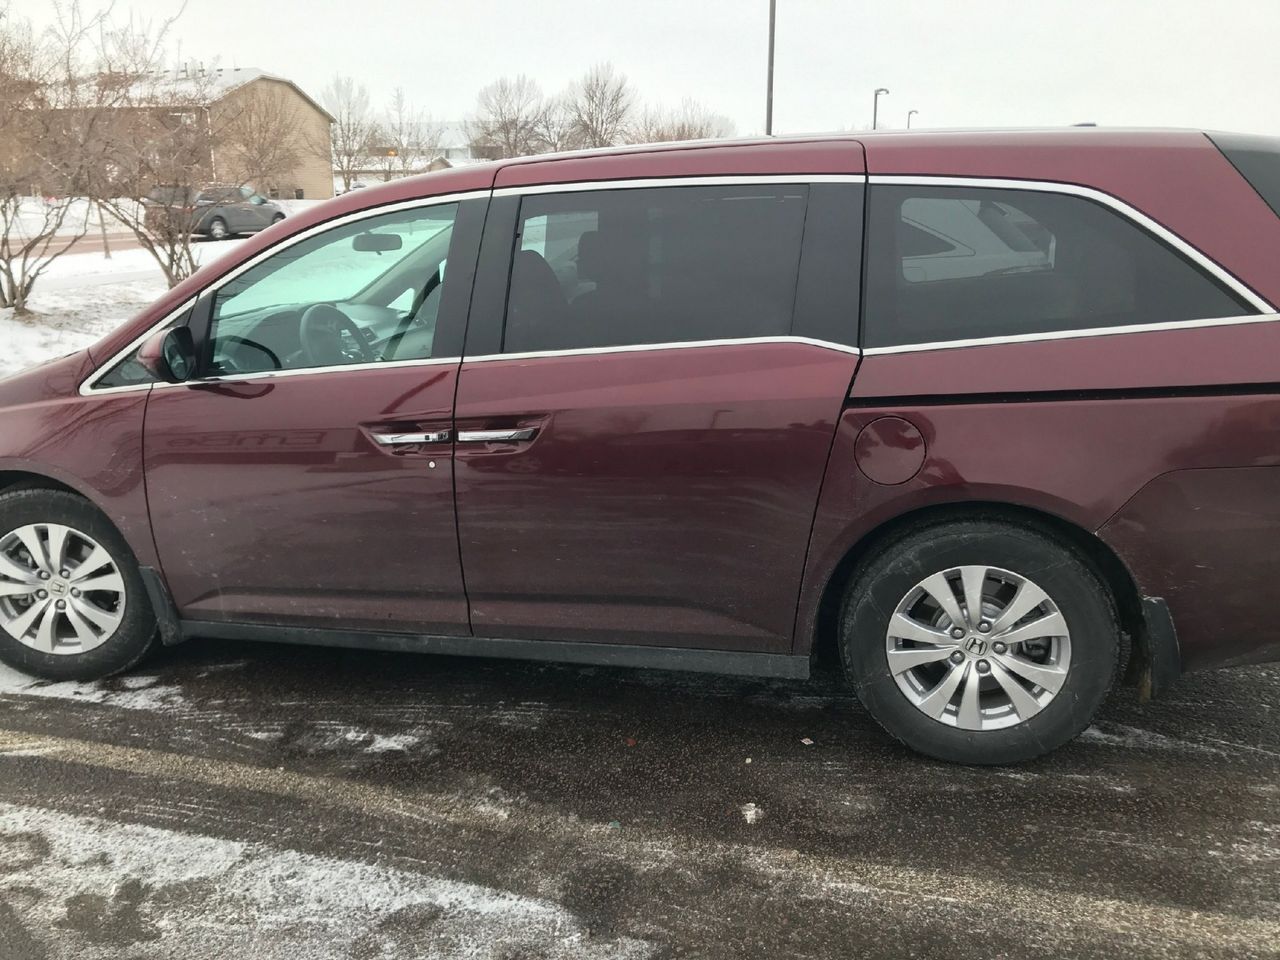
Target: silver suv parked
214	211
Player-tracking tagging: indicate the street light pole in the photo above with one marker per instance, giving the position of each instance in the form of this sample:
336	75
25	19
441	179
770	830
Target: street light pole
768	100
875	106
910	114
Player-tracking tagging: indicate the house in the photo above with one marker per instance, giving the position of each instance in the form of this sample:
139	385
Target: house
445	145
263	130
299	120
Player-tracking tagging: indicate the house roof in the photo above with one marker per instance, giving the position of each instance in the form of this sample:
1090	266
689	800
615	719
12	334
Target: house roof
216	83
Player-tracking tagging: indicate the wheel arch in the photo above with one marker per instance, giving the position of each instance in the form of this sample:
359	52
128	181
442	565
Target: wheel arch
12	480
137	536
1115	575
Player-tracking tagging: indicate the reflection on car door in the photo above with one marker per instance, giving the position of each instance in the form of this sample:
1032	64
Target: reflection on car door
639	459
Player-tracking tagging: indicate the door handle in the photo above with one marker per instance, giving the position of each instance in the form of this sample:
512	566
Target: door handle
497	436
398	439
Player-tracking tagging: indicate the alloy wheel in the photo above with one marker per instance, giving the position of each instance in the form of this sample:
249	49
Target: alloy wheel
979	648
61	592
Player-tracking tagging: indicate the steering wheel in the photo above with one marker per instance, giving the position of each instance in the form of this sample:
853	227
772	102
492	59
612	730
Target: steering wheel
320	330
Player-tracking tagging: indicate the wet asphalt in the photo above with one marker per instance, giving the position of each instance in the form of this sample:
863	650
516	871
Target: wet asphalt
274	801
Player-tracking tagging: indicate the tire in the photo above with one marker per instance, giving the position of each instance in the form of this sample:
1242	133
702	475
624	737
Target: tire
117	627
277	218
218	229
896	591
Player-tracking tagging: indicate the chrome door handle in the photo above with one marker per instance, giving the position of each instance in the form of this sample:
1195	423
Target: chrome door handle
496	436
397	439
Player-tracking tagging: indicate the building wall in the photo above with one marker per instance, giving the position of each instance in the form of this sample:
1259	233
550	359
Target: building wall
248	124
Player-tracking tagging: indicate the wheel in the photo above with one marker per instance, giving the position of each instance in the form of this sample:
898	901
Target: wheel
72	602
277	218
980	642
218	229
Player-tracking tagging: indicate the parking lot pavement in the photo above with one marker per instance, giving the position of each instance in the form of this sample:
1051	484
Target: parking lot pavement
272	801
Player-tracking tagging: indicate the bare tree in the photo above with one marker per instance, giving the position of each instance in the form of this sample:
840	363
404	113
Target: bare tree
354	128
50	142
601	105
555	128
406	141
508	114
159	158
690	121
258	135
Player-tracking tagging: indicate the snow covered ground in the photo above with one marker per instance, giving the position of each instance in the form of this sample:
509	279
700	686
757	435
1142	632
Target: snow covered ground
81	297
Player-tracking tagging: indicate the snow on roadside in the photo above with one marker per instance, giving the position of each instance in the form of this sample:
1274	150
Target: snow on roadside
158	890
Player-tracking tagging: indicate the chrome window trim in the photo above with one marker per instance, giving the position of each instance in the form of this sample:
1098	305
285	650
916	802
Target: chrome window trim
670	345
724	180
1074	334
87	386
485	358
1266	311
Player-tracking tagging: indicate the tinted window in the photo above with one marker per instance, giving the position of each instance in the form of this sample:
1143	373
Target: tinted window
1258	160
661	265
1011	262
379	281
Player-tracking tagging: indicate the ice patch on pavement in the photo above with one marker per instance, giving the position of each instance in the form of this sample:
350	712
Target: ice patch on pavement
144	892
330	735
136	692
1119	735
392	742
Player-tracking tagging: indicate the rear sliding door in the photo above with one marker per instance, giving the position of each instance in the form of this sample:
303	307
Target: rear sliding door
643	420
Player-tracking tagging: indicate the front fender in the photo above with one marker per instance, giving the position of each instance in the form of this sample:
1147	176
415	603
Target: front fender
92	445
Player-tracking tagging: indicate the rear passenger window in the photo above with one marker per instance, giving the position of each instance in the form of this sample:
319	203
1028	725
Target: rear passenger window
956	263
654	265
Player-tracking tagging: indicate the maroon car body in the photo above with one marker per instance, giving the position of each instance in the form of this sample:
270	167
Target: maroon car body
701	506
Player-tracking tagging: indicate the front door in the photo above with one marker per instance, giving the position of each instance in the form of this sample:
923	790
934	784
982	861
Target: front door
639	455
318	442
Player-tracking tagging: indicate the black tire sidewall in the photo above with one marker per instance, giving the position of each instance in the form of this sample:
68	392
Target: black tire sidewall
137	630
1080	595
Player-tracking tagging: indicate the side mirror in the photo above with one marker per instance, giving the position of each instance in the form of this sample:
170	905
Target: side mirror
377	242
169	355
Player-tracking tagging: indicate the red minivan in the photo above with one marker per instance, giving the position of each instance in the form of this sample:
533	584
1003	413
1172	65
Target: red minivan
993	415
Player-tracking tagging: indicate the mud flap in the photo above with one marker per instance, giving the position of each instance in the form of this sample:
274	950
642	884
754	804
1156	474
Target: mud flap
1157	661
162	604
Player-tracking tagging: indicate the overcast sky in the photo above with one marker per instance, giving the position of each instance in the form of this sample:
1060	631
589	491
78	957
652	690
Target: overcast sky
1195	63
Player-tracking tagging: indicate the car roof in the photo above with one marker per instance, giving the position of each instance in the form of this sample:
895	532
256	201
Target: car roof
913	151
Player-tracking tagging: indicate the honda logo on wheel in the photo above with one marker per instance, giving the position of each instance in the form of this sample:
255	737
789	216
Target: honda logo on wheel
976	645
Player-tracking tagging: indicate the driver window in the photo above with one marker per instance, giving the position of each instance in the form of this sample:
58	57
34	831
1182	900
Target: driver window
364	292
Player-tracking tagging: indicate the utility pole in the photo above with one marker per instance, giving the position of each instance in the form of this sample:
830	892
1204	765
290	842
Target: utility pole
768	99
910	114
875	106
